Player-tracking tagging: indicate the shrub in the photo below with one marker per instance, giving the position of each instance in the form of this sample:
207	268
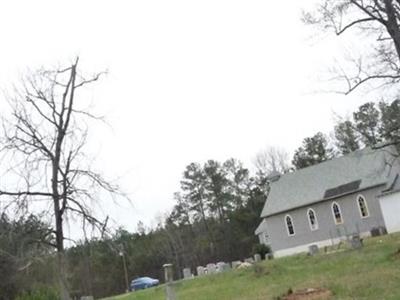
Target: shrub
261	249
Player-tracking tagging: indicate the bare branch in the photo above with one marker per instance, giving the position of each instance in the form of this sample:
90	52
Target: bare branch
93	79
25	193
339	32
361	81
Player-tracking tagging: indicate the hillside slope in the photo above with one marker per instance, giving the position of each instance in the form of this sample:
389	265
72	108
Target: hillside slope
370	273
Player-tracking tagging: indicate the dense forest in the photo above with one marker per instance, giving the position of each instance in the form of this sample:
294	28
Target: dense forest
216	211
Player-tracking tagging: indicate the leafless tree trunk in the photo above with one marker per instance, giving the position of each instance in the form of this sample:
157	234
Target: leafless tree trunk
377	18
44	144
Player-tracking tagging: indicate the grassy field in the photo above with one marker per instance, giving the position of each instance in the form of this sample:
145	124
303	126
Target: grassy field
370	273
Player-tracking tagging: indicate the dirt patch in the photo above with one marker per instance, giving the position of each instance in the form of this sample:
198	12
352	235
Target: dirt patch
309	294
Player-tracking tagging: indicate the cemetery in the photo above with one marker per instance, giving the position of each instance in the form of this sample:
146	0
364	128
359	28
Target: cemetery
326	270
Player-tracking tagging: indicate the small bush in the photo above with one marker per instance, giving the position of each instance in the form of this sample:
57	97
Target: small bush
262	250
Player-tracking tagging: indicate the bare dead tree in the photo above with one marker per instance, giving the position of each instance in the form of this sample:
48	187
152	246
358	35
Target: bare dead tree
43	145
271	159
378	19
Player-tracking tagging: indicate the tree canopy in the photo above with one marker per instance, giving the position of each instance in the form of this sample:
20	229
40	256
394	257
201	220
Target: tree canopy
313	150
377	19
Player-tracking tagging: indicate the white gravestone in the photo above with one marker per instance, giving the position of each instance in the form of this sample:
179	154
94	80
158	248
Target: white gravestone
211	268
220	266
236	264
187	273
249	260
200	271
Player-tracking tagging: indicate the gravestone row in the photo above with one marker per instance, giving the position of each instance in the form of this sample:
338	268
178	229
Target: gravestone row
219	267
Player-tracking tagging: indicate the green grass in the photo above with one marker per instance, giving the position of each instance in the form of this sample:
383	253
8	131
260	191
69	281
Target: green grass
370	273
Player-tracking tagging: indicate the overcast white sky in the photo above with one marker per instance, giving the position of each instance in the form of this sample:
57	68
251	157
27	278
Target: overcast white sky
188	81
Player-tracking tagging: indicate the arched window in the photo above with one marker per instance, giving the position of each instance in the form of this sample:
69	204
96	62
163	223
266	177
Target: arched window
289	225
312	219
337	214
362	205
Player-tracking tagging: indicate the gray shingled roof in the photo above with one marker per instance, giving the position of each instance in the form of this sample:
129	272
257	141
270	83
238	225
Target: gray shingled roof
366	167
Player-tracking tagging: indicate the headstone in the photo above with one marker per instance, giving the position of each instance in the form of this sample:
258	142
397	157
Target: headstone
249	260
169	288
236	264
219	266
377	231
313	249
245	265
168	272
211	269
356	242
222	266
257	257
187	273
226	267
200	271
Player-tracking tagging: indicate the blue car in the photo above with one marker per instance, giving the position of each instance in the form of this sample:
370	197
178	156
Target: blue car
143	283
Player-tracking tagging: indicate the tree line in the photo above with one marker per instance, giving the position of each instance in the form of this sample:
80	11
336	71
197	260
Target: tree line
216	212
371	125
